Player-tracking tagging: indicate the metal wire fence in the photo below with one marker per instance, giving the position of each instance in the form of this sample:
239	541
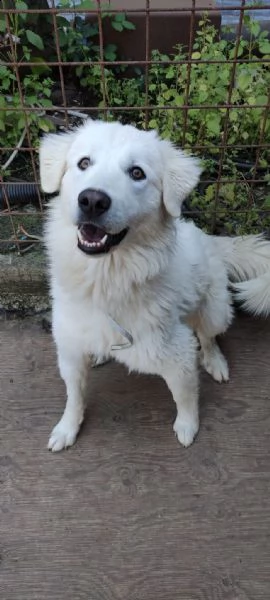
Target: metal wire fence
175	67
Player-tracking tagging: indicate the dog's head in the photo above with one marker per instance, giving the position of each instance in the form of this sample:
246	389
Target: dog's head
113	179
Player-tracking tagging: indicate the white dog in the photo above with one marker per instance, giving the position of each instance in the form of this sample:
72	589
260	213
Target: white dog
129	279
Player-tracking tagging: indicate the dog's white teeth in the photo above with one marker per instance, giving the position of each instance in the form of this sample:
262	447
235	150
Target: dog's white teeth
80	236
92	244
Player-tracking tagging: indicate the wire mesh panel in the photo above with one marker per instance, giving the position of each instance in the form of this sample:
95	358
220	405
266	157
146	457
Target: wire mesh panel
180	66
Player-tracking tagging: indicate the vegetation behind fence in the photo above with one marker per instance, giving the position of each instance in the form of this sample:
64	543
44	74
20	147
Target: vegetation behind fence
210	96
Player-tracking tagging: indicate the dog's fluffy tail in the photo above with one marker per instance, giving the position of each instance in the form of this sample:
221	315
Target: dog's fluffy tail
247	260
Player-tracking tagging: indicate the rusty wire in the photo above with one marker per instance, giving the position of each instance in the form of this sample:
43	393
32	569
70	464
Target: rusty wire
101	51
147	59
113	11
60	66
189	67
227	115
115	63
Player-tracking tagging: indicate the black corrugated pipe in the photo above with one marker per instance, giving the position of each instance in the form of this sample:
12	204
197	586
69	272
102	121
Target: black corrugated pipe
19	193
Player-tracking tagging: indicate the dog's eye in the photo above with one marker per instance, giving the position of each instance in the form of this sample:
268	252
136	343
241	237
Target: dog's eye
84	163
137	173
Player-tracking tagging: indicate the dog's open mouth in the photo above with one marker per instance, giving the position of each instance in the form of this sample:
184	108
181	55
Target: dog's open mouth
94	240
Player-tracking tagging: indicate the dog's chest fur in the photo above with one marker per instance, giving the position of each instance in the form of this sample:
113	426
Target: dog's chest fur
147	291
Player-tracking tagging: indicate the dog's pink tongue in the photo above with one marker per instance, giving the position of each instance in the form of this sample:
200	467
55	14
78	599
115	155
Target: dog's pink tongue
91	233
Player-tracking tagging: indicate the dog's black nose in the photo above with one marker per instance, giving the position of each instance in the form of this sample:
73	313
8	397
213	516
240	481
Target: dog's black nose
93	202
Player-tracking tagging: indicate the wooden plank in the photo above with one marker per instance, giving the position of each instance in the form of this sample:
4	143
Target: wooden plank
127	514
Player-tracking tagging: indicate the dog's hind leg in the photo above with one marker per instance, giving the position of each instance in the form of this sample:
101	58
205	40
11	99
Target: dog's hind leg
98	361
212	359
74	373
180	372
214	319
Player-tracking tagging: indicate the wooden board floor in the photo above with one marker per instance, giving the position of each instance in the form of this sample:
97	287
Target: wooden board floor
128	514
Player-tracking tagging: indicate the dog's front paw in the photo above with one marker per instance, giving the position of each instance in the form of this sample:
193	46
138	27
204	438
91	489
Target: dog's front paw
63	435
186	430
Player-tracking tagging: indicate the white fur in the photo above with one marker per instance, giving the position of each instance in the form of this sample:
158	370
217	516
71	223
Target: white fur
163	282
248	263
255	294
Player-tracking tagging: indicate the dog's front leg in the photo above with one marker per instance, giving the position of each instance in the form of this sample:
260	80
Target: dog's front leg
181	375
74	373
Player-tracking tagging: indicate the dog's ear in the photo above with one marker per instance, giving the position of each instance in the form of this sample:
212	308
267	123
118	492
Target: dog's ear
181	175
52	158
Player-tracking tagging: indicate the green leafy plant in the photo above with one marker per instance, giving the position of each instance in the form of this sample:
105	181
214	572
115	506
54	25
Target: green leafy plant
240	207
20	43
79	42
195	96
209	85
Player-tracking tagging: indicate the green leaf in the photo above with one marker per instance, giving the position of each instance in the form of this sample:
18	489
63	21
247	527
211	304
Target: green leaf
170	74
264	47
254	28
46	102
4	72
210	192
119	18
34	39
203	96
22	6
153	124
261	99
179	100
46	125
31	100
228	192
243	81
87	4
168	94
213	123
117	26
110	52
21	122
41	67
266	203
129	25
2	24
19	5
195	55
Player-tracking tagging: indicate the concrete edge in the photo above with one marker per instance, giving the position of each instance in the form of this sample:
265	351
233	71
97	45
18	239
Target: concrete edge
23	283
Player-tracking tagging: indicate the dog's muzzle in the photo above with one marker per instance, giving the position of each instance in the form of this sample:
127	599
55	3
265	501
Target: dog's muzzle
92	239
